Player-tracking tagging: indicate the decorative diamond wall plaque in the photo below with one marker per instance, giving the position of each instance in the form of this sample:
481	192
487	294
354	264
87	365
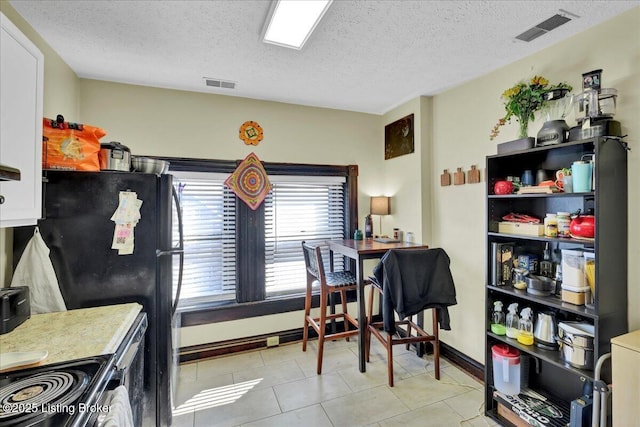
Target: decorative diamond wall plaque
250	181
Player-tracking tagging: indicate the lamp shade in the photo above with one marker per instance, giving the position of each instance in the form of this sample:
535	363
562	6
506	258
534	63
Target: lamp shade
380	205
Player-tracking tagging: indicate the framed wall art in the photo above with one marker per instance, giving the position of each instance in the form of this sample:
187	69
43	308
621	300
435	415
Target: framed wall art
398	137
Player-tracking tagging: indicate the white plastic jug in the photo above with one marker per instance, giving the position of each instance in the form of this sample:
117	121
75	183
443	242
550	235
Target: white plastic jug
506	369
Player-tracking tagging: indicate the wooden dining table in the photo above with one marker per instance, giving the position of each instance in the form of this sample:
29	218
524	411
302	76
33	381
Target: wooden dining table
361	250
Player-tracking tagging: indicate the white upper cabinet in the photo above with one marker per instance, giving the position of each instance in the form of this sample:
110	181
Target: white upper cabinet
21	73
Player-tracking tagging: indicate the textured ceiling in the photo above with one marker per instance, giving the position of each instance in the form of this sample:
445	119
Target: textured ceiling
368	56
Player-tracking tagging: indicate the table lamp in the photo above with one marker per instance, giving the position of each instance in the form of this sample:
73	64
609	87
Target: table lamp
380	205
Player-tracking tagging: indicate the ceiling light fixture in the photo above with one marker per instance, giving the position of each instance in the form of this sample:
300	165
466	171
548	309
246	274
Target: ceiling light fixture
290	22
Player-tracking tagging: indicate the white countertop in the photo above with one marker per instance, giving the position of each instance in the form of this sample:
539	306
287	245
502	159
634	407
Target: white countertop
73	334
630	340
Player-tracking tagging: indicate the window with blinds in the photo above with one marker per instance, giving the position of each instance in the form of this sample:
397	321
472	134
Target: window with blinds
209	227
300	208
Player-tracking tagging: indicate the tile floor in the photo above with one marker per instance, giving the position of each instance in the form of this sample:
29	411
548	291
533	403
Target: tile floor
279	387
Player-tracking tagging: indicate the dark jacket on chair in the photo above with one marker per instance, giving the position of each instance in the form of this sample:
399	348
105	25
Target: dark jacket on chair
415	280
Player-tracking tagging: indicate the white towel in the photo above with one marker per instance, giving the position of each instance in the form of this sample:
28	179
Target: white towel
36	271
119	414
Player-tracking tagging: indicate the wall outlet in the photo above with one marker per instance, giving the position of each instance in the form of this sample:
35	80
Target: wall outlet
273	341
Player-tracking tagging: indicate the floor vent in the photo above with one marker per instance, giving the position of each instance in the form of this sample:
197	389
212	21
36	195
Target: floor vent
220	83
545	26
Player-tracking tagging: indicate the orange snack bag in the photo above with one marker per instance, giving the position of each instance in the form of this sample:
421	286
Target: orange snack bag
70	146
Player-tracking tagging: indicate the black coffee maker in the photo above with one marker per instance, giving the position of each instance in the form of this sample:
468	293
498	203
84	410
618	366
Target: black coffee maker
594	109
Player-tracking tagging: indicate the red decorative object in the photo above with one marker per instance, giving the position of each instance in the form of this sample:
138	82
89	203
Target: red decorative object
503	187
250	181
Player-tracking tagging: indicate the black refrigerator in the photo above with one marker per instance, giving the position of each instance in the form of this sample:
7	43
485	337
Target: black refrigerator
77	228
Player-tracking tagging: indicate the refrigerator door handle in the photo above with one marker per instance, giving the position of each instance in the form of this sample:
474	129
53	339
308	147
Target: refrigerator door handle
179	250
169	252
174	193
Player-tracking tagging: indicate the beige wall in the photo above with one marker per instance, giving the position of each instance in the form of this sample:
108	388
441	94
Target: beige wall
452	131
186	124
463	117
60	97
178	123
403	176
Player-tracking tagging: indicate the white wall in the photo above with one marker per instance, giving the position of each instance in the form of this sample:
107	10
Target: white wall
463	118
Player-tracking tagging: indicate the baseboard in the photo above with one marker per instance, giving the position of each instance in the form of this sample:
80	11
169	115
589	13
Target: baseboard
206	351
470	365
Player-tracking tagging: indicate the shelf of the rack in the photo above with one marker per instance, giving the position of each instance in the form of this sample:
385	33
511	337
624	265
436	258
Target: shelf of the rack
539	195
530	151
549	301
607	202
513	405
550	356
588	243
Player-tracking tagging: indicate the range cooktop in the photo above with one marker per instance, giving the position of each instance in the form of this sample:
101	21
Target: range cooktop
62	394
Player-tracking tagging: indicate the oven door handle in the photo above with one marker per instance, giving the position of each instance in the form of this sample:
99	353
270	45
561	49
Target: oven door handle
123	365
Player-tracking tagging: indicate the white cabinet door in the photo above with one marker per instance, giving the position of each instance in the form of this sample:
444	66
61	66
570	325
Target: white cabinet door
21	74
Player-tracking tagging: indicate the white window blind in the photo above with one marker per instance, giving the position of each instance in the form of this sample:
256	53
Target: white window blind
300	208
209	226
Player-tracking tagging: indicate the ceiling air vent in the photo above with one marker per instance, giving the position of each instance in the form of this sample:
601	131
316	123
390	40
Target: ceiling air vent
225	84
545	26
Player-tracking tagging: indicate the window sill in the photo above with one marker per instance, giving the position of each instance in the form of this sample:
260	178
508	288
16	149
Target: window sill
224	311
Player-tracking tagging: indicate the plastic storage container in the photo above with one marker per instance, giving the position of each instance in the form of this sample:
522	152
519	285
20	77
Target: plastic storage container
506	369
573	268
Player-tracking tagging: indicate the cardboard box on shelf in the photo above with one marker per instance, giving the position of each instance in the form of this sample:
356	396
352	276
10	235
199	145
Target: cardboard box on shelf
502	263
511	416
528	262
521	228
577	298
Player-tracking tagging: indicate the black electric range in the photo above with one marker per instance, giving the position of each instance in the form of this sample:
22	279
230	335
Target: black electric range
61	394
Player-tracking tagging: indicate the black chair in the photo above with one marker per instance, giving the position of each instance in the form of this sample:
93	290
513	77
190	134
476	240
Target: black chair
329	283
418	279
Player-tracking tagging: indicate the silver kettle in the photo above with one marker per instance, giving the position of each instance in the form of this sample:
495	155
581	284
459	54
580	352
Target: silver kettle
544	333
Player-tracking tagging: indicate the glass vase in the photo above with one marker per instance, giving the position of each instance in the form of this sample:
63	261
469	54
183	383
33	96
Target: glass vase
524	128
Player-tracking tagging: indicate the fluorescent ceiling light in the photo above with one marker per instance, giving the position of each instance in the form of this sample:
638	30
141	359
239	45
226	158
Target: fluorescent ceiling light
291	22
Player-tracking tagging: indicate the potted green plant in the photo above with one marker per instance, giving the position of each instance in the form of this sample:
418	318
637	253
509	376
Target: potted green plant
522	101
